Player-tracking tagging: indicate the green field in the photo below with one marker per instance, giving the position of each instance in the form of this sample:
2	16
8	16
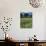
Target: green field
26	22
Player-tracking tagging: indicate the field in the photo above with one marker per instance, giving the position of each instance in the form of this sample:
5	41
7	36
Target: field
26	22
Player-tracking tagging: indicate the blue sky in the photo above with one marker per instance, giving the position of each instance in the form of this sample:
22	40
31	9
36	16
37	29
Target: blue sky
29	13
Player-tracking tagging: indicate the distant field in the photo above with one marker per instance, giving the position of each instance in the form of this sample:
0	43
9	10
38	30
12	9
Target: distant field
26	22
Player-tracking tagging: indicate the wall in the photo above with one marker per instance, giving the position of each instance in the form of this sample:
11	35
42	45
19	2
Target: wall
12	8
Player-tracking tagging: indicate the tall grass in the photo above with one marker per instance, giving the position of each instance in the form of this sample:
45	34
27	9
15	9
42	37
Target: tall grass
26	22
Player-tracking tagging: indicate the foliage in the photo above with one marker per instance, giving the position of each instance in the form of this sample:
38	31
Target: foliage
26	23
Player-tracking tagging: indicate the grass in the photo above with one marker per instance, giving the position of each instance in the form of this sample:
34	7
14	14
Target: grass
26	22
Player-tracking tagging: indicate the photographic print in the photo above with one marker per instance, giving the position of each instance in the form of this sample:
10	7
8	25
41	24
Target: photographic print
26	19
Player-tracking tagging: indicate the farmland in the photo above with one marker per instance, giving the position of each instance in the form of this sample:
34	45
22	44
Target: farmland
26	22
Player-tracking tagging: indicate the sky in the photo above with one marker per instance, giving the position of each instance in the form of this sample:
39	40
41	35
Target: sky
26	13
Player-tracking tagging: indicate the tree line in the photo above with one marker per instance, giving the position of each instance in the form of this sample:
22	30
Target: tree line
26	15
